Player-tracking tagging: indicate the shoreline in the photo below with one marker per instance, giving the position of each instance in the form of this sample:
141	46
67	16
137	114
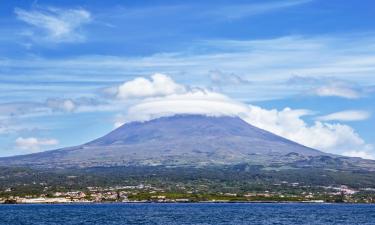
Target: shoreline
199	202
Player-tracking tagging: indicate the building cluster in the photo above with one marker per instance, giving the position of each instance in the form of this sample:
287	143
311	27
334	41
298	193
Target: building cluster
92	194
148	193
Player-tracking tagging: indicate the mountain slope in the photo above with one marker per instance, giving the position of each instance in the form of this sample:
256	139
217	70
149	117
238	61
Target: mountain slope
183	140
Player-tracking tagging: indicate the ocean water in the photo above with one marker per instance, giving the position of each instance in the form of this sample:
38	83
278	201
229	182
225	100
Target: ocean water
180	214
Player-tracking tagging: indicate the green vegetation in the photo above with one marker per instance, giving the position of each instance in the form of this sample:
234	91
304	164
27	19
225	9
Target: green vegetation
225	183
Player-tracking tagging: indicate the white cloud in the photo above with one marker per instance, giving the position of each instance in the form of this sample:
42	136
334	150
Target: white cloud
57	25
119	120
34	144
158	85
331	86
349	115
337	91
196	101
66	105
333	138
361	154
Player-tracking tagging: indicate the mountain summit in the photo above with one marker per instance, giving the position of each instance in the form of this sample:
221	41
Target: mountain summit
181	140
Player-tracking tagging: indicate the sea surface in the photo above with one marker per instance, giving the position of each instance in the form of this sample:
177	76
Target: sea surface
180	214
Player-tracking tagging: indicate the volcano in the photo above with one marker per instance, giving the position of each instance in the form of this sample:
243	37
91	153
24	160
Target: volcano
186	140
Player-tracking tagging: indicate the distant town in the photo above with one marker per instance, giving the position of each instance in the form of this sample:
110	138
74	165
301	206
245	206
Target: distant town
143	193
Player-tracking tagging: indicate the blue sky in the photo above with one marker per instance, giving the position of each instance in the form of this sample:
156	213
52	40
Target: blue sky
71	71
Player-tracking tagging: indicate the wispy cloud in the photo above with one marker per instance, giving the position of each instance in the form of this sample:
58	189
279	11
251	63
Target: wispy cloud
348	115
215	11
56	24
34	144
332	86
337	91
51	106
237	11
268	64
220	78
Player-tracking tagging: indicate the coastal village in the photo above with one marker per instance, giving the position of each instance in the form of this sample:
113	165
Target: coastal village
146	193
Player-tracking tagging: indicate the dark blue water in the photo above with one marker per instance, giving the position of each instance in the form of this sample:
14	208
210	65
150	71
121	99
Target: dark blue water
179	214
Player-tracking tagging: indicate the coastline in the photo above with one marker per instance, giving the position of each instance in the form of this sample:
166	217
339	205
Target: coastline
192	202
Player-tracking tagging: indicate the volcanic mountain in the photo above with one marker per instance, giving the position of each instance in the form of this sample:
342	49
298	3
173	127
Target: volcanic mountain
187	140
